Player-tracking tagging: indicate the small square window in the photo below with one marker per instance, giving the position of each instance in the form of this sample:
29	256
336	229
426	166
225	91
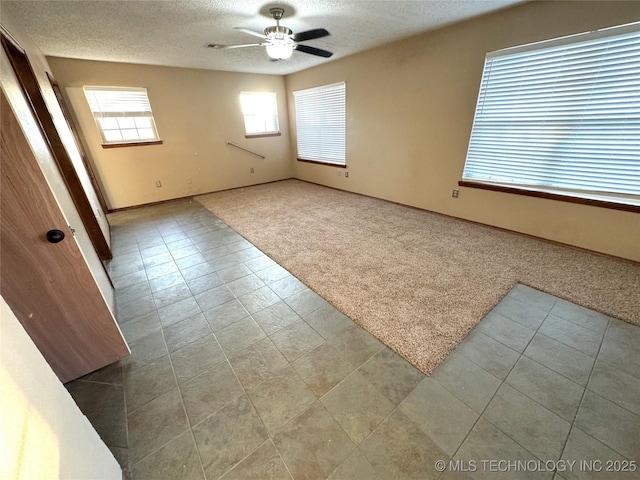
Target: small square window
142	122
260	110
123	115
146	134
112	135
108	123
126	122
130	134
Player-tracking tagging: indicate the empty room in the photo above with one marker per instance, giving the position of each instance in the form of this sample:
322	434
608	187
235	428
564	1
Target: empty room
368	239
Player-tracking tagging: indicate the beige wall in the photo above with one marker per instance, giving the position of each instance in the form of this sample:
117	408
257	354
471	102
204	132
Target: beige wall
43	434
196	112
410	108
13	91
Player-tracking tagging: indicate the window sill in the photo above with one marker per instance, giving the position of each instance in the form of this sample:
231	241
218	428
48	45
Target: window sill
552	196
131	144
262	135
317	162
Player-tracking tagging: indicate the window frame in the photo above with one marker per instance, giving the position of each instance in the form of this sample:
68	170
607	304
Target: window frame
267	117
334	111
583	195
107	112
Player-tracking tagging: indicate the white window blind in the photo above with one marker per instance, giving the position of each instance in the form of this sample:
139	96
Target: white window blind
320	123
562	116
260	110
122	114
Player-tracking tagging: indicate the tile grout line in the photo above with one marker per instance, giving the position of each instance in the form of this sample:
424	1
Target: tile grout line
175	376
281	457
124	393
289	364
584	393
191	427
318	399
245	393
126	418
395	406
564	345
182	400
503	381
226	357
179	393
584	388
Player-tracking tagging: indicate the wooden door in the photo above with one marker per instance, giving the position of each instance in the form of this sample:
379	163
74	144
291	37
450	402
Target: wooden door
48	285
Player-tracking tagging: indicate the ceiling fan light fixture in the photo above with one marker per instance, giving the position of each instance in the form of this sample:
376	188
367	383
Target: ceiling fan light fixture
279	50
280	42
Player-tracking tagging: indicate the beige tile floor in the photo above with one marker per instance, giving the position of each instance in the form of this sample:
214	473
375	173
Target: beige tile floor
239	371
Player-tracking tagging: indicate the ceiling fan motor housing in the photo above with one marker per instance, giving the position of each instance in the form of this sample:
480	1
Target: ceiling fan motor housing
277	32
277	13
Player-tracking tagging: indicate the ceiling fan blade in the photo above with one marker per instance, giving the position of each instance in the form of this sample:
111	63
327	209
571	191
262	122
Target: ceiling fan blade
251	32
244	45
313	51
310	35
218	46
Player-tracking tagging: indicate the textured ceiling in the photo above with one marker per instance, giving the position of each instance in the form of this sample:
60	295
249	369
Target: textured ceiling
175	33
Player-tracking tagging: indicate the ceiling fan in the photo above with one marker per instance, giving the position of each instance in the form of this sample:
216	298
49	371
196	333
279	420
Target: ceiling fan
280	41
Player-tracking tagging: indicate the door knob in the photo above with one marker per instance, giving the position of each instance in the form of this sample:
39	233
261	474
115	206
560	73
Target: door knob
55	236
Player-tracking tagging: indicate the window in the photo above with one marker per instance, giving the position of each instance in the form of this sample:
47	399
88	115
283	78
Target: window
320	124
260	110
123	115
561	117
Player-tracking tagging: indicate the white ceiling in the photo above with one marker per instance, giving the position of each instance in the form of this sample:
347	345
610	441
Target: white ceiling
175	33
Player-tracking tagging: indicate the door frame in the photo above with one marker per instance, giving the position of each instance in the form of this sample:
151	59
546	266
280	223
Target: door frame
31	88
74	130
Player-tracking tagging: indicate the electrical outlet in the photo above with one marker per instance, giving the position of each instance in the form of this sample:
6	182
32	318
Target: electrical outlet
189	181
251	169
455	192
158	183
346	174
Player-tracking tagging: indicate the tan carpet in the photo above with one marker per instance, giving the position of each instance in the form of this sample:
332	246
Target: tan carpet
416	280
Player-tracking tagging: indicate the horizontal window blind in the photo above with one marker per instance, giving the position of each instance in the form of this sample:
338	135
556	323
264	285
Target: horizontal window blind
122	114
115	101
321	124
561	115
